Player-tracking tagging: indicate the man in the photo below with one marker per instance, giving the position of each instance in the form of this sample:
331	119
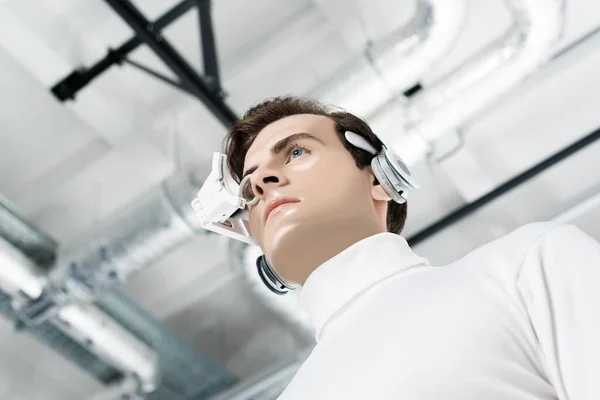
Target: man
518	318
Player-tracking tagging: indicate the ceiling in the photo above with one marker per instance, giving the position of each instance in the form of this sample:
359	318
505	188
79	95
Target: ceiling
71	166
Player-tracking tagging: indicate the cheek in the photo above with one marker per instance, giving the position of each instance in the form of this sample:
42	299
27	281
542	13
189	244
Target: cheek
254	217
336	185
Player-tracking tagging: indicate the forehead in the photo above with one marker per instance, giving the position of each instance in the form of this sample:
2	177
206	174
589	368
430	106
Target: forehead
318	125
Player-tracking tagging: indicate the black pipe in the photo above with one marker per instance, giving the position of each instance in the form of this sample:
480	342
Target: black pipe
68	87
469	208
187	75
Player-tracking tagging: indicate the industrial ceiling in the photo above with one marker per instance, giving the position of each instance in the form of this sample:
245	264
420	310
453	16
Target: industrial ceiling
98	173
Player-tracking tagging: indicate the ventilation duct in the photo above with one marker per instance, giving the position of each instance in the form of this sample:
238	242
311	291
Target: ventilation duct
397	62
471	88
169	220
84	323
154	226
184	372
139	235
54	338
110	341
17	274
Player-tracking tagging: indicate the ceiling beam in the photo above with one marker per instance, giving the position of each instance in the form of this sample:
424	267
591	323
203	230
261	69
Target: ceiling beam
67	88
150	35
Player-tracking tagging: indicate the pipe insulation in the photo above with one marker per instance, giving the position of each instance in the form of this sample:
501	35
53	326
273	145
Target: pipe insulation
151	227
17	274
461	95
398	61
85	323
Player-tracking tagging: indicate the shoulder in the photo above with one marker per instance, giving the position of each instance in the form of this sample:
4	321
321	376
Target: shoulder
528	234
565	244
512	247
503	258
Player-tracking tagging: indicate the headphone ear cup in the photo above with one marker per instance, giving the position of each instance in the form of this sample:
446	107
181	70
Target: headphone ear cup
268	277
385	182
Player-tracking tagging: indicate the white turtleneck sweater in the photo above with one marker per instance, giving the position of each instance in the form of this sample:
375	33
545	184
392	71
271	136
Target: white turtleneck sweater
518	318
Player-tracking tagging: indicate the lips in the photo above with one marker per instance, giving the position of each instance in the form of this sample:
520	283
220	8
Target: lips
276	203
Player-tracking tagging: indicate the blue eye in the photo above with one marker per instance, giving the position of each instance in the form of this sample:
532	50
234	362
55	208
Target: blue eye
297	153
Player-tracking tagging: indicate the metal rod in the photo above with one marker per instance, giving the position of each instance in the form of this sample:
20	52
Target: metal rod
78	79
207	37
188	76
156	75
469	208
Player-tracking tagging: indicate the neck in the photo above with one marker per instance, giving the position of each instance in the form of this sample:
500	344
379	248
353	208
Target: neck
311	248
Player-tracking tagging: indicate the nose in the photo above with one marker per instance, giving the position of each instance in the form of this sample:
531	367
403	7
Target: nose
264	180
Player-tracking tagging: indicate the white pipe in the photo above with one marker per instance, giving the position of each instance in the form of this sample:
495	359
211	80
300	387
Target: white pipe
18	273
458	97
92	327
405	56
397	62
85	323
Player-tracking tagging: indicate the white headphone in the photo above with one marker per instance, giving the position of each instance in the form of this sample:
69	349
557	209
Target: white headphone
389	169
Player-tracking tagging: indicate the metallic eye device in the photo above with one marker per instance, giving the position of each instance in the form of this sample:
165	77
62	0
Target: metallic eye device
221	196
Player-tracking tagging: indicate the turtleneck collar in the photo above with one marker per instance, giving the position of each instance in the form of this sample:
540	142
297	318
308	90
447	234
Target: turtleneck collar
350	273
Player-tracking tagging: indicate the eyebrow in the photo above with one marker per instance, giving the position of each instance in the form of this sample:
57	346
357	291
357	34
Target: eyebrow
283	143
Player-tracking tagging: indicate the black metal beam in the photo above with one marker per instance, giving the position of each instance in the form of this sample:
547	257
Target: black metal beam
150	35
156	75
523	177
68	87
207	38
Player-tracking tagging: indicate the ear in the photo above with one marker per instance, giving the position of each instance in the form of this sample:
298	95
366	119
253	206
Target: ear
377	191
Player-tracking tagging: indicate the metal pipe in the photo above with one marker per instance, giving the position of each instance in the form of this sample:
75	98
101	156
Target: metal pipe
140	234
185	373
459	96
35	244
398	61
84	323
110	341
18	275
150	35
521	178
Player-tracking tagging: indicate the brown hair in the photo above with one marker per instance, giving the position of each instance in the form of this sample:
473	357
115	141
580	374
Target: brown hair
242	135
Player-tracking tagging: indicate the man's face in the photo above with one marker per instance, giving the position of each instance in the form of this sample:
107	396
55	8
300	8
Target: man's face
301	161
